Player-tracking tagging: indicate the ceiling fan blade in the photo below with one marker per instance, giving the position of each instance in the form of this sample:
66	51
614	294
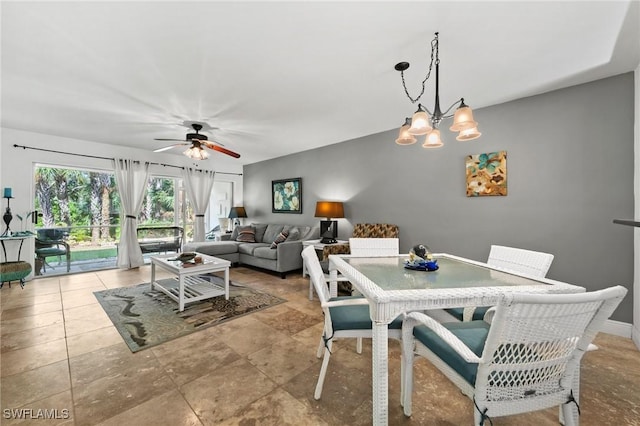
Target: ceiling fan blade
206	141
169	140
221	149
169	147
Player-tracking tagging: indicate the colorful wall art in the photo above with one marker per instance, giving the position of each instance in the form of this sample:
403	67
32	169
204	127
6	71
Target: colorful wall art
487	174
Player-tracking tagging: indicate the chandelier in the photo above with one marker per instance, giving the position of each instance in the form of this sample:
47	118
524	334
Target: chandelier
425	122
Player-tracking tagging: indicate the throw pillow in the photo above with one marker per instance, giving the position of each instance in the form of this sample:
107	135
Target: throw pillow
294	234
279	239
246	234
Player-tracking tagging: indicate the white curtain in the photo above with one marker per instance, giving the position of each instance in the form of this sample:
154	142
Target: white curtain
131	177
199	185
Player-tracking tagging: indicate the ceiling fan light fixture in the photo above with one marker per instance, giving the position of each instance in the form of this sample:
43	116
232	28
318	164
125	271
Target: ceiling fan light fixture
196	153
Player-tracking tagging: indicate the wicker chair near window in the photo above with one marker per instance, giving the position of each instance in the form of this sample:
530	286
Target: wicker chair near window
374	246
529	262
344	317
528	359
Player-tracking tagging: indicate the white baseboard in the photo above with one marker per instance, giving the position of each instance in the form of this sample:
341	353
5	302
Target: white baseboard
635	336
618	328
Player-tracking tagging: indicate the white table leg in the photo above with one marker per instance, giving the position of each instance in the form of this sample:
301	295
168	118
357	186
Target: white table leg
226	283
380	371
181	294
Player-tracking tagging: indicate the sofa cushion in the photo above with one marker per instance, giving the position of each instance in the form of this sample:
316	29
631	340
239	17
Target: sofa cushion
282	237
260	229
249	248
213	248
246	234
265	252
271	233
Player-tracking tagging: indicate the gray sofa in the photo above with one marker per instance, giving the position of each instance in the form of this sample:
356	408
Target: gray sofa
284	258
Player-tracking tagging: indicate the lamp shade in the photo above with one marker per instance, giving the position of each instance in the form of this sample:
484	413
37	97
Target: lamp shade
329	209
463	119
405	138
468	134
420	123
237	212
433	139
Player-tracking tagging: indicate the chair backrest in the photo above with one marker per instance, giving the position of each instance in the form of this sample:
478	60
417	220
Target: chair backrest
310	258
374	246
375	230
535	344
50	234
534	263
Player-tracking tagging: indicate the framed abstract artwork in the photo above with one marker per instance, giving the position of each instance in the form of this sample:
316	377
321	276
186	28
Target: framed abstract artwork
286	195
487	174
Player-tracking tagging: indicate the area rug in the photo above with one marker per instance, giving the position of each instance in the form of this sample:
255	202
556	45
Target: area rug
146	318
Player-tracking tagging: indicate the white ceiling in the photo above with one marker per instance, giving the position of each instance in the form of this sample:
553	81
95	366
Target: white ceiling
283	77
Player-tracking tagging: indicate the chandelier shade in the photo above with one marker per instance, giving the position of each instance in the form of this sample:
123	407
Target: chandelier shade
433	140
404	137
468	134
425	122
463	119
420	124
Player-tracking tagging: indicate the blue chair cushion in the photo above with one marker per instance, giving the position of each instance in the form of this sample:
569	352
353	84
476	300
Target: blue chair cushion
355	317
478	314
471	333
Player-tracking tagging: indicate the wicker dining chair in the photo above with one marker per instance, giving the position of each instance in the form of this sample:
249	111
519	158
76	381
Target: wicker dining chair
528	359
368	247
344	317
528	262
360	230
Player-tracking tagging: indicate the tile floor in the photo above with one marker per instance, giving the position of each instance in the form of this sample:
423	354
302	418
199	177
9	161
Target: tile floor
59	351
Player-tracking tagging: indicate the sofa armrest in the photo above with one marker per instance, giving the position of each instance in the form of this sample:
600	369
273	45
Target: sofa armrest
335	249
289	255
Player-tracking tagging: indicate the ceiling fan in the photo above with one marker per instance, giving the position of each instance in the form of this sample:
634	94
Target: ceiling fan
198	142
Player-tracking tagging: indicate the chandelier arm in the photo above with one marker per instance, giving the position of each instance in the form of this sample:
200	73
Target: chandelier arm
456	103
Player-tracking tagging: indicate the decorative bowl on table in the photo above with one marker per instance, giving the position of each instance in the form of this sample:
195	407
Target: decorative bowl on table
421	259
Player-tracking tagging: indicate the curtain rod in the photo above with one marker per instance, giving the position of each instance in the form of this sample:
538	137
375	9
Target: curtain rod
107	158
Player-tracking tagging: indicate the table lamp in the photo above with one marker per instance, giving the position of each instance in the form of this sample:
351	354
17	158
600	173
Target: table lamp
236	213
328	227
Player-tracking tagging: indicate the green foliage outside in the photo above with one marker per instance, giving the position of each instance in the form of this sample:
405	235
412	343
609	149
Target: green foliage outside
88	204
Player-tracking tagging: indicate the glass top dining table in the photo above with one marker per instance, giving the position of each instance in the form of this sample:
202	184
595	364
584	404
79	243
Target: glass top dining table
391	290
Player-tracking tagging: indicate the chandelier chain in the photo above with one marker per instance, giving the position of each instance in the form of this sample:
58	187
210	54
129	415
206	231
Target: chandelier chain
434	53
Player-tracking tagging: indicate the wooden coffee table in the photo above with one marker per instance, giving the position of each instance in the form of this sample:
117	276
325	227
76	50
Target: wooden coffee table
191	285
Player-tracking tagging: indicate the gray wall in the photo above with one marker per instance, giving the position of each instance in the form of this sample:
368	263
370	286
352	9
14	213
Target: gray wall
570	173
